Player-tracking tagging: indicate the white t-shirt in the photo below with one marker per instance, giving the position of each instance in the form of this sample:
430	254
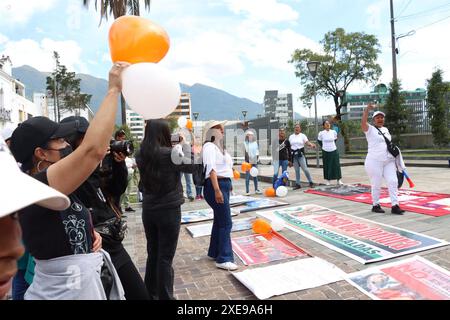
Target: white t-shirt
130	163
297	141
213	158
327	138
377	145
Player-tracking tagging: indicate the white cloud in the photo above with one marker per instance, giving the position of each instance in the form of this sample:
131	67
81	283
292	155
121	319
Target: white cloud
3	39
20	11
263	10
40	54
374	12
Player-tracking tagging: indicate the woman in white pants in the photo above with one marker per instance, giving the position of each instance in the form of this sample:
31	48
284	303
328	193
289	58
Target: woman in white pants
379	162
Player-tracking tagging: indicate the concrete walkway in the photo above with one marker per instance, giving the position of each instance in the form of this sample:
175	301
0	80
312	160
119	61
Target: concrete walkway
196	277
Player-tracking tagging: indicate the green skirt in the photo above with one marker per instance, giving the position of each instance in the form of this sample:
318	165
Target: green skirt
331	165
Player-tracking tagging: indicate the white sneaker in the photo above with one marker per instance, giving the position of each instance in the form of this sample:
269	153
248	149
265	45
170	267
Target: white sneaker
328	182
247	193
258	192
227	266
340	182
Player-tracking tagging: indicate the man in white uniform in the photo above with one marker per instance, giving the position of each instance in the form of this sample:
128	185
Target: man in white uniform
379	162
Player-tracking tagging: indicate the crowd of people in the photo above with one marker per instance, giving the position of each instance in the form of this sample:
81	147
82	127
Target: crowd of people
61	234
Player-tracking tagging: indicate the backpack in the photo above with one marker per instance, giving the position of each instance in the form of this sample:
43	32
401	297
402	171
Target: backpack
199	173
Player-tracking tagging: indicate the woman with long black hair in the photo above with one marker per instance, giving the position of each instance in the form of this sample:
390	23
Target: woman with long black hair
160	166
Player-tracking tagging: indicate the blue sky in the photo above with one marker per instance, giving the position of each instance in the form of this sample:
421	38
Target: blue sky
241	46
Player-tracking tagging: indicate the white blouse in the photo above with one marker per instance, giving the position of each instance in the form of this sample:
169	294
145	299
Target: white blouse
214	159
297	141
328	138
377	145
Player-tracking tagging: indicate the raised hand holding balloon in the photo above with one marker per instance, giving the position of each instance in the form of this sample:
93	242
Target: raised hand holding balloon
148	88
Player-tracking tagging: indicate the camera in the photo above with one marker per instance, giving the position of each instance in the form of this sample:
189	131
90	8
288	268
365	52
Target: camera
126	147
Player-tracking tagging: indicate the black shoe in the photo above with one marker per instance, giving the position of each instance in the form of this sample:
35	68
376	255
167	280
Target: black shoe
396	210
129	209
191	199
311	185
377	209
297	186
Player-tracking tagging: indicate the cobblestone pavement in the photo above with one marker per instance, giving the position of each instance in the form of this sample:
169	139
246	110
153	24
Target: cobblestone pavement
197	278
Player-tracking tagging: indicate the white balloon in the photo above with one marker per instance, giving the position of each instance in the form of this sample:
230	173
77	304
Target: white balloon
277	225
281	191
150	90
254	172
182	122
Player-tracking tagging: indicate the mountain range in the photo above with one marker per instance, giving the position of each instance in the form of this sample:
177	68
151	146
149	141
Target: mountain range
209	102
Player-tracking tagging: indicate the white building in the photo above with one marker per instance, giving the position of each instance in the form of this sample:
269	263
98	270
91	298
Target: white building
278	106
183	108
86	113
14	106
136	123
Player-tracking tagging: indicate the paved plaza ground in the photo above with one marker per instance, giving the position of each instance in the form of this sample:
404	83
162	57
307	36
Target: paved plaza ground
197	278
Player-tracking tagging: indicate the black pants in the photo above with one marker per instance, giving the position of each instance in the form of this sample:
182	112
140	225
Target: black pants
162	228
131	280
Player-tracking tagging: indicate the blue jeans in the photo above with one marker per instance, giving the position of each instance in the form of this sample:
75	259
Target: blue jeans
19	285
276	168
198	190
247	180
220	243
300	162
188	179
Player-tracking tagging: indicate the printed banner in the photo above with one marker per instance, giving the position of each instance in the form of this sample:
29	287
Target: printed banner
201	230
289	277
430	203
239	199
263	248
360	239
258	204
411	279
199	215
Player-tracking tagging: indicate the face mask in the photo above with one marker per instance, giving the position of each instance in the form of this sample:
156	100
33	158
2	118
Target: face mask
64	152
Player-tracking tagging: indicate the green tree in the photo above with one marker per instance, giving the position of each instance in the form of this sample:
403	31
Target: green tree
346	58
173	123
65	89
290	127
118	8
438	108
396	112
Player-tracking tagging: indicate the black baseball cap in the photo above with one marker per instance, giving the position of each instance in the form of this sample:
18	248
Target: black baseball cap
80	123
36	132
120	132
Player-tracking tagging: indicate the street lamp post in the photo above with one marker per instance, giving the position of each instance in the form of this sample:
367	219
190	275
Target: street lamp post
195	114
312	68
244	113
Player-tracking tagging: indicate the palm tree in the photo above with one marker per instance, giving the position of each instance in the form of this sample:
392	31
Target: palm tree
118	8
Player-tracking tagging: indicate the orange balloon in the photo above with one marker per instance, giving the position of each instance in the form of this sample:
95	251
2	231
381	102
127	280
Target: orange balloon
245	166
261	226
269	192
135	39
236	174
189	124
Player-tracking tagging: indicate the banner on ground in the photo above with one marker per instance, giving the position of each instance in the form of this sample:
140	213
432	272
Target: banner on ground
199	215
289	277
201	230
258	204
239	199
429	203
360	239
411	279
263	248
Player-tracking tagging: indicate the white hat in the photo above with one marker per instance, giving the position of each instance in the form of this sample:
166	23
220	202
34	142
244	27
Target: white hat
377	113
18	190
209	125
8	131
